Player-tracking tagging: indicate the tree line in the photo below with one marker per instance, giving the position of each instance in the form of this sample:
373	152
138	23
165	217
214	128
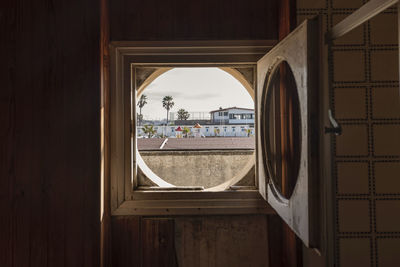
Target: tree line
167	103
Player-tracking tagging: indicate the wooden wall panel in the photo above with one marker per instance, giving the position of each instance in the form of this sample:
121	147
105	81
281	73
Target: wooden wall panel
275	225
105	212
291	244
199	241
126	246
287	17
49	148
158	242
232	241
193	20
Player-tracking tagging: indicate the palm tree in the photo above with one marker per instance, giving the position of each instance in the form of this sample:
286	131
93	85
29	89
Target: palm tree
183	114
168	103
149	130
140	118
141	103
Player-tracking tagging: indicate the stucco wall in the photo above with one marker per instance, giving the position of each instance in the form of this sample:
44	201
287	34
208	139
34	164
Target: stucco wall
197	168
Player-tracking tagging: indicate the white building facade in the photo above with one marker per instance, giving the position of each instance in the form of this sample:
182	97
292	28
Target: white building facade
229	122
239	130
233	115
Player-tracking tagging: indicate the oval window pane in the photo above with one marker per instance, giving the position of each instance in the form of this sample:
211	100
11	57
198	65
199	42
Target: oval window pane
281	127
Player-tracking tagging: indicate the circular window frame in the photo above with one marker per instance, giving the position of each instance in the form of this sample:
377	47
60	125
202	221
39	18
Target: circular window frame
271	73
157	180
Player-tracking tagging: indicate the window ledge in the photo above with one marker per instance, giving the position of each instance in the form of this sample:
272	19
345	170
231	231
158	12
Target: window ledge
144	202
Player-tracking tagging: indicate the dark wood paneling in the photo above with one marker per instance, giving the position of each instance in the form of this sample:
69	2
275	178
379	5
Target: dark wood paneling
285	249
105	131
292	248
126	248
199	241
291	244
143	242
193	20
158	242
275	241
49	148
232	241
287	17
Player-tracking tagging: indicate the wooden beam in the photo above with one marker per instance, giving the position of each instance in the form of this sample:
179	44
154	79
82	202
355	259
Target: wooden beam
291	248
275	240
287	17
361	15
398	36
105	211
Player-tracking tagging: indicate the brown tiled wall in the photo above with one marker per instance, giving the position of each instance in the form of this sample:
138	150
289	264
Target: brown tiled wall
365	100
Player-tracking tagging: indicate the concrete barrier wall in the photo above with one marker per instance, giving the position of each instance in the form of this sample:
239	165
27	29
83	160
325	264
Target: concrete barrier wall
197	168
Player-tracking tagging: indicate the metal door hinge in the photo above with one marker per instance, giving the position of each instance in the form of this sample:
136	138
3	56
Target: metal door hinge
336	128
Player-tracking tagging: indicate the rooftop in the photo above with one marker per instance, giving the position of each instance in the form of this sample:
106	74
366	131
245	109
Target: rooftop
209	143
223	109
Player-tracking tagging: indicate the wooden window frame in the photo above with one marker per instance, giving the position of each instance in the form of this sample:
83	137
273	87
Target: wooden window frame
126	199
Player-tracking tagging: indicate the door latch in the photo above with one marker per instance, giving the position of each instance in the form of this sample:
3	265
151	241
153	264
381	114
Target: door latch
336	128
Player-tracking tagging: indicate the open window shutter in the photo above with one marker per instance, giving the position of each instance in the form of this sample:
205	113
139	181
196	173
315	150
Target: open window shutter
288	129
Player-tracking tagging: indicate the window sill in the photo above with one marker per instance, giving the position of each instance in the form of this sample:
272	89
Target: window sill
149	202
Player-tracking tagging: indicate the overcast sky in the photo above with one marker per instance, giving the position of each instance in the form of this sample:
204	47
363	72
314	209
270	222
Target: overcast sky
195	89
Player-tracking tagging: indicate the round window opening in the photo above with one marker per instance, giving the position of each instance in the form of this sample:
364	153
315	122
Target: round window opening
195	128
281	127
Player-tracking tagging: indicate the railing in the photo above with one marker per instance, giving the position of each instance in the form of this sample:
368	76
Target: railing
194	115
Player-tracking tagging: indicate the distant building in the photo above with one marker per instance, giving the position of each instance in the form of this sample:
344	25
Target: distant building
227	122
232	115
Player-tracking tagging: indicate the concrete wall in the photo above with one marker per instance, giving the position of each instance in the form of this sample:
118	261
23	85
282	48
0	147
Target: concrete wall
197	168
